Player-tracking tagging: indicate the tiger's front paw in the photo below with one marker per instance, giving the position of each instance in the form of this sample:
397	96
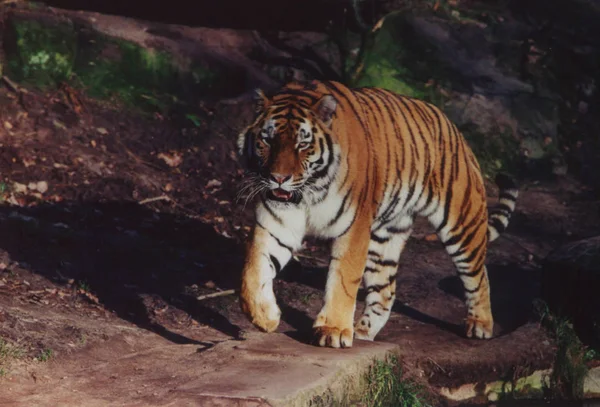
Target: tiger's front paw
263	313
333	337
479	328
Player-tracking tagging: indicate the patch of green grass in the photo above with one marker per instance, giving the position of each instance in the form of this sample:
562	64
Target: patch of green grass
8	352
194	119
45	55
40	54
569	369
45	355
387	387
83	285
408	67
591	354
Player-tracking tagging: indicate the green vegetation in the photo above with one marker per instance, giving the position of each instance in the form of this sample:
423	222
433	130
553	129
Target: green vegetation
41	55
570	367
8	352
83	285
45	355
46	55
387	387
409	68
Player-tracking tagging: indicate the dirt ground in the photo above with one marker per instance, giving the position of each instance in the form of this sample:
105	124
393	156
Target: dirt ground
140	217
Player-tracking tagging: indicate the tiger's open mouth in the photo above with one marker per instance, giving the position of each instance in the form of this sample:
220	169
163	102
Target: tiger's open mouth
282	195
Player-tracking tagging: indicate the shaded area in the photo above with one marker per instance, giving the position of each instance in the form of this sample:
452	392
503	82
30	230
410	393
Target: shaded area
512	291
126	255
309	15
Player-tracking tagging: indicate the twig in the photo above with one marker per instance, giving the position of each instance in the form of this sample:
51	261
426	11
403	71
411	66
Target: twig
435	363
535	257
13	86
217	294
156	198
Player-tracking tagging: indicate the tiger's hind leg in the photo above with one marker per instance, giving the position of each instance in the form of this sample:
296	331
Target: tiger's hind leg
465	239
379	278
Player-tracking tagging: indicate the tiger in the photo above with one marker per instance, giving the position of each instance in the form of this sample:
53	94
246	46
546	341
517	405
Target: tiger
355	166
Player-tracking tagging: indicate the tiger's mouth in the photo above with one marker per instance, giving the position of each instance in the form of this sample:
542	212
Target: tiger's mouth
282	195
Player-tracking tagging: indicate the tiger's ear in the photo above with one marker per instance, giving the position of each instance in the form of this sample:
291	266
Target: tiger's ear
325	108
260	100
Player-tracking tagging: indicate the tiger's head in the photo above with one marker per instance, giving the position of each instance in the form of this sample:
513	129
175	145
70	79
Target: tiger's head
288	146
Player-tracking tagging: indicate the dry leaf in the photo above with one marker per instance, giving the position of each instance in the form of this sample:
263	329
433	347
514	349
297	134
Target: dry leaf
172	160
19	188
213	183
42	186
102	130
8	126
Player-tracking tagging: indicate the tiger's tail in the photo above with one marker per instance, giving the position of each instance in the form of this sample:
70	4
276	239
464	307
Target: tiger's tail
499	215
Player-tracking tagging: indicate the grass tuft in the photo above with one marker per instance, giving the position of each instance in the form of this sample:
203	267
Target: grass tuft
8	352
570	366
387	387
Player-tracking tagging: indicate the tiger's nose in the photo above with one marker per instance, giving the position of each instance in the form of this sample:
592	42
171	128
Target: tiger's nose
280	179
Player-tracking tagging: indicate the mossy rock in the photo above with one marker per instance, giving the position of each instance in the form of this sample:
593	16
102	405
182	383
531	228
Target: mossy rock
40	52
44	51
396	58
570	284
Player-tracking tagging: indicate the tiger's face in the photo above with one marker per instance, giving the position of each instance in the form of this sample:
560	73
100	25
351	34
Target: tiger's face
287	147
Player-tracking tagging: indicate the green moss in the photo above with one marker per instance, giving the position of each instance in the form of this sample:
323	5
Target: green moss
405	67
40	55
45	54
110	68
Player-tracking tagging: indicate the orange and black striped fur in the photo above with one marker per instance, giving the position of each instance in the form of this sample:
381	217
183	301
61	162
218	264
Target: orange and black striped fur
356	166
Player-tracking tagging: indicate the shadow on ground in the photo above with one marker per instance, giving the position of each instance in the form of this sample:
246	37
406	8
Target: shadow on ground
134	260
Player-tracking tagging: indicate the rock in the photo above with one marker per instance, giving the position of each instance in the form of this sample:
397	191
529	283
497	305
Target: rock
457	67
570	284
591	384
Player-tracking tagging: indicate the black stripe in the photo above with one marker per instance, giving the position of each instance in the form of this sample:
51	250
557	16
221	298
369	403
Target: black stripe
341	209
372	304
373	253
275	237
271	212
470	273
385	263
396	231
502	208
371	270
379	239
496	224
377	287
350	225
276	264
478	285
507	195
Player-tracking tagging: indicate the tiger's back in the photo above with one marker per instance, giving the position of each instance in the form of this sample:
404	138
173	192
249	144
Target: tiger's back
381	159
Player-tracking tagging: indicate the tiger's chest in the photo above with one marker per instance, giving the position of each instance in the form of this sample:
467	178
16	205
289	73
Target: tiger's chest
329	217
